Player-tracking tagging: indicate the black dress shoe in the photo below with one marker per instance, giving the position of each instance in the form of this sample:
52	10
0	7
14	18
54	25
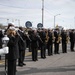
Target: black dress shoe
44	57
72	50
21	65
36	59
58	53
24	64
16	70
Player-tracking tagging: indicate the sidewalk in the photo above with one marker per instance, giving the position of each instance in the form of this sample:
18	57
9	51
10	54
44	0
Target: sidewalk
62	64
59	64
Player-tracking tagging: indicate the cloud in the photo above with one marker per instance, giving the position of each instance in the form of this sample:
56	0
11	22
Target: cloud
32	10
26	4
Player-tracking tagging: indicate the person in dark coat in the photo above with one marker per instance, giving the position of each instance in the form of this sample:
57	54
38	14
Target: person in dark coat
43	44
72	39
29	41
50	43
64	41
34	45
22	47
1	36
56	42
13	54
39	32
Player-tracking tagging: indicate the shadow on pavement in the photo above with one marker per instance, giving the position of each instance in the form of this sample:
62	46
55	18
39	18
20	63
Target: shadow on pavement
51	69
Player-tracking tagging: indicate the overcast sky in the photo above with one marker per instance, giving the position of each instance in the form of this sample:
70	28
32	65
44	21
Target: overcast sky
30	10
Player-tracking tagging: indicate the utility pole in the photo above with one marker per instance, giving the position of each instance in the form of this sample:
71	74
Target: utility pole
74	20
43	12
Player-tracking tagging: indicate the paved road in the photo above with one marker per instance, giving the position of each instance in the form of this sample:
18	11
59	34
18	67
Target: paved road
60	64
63	64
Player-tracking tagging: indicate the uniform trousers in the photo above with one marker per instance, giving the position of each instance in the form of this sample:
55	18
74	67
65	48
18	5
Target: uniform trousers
56	51
64	48
21	57
34	54
43	51
72	46
12	67
50	49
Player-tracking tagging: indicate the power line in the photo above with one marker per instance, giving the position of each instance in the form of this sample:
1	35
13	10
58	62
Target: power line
12	6
49	12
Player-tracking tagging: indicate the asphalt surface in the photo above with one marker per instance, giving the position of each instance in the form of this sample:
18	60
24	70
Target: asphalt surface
59	64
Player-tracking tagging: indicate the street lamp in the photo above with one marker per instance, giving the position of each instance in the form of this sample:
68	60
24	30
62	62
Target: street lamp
7	21
54	19
18	22
74	20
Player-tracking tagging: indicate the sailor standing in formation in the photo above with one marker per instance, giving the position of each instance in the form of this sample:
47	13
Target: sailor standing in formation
50	42
43	44
56	42
22	47
13	54
72	40
64	41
